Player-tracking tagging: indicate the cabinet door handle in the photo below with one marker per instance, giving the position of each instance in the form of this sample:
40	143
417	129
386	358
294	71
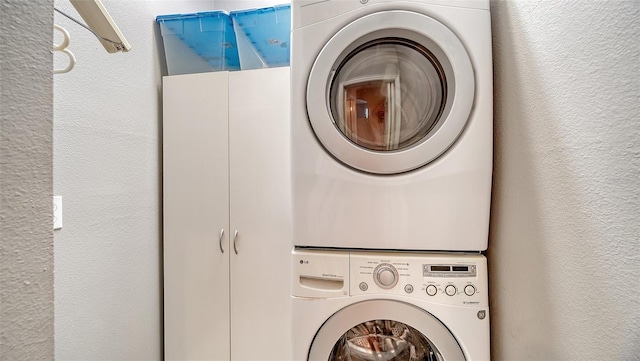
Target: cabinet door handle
235	236
221	234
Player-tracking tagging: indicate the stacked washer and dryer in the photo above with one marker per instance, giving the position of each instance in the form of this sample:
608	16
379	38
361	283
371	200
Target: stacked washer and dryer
391	175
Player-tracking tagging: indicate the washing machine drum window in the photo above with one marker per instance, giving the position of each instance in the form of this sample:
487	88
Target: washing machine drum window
390	92
377	330
384	340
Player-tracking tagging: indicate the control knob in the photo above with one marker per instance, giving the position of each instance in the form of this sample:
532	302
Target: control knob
469	290
450	290
431	290
385	276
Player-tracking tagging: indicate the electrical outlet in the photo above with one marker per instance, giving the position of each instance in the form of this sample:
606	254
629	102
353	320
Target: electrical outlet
57	212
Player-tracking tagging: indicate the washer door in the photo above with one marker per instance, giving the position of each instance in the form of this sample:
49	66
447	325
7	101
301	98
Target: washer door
390	92
383	330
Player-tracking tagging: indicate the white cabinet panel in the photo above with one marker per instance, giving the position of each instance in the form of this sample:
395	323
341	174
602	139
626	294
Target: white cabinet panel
196	209
226	166
260	211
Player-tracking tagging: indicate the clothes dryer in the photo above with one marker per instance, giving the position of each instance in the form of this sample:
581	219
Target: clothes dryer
391	123
389	306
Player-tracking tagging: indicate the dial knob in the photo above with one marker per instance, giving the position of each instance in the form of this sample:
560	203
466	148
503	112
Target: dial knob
431	290
469	290
450	290
385	276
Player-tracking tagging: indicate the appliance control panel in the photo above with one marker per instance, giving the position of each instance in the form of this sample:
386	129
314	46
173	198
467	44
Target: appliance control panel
455	279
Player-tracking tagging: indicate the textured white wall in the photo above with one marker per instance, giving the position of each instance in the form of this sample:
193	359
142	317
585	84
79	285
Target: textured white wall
26	173
564	250
107	168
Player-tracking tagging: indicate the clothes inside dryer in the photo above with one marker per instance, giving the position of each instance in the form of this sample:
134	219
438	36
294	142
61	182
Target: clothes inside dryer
383	340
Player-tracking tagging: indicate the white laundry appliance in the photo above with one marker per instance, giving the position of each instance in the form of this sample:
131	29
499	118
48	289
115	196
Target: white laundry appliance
398	306
391	124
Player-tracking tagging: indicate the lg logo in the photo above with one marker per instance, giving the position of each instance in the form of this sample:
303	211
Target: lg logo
304	262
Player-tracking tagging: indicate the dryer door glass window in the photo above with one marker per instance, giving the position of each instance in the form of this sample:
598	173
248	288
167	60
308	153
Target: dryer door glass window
388	94
384	340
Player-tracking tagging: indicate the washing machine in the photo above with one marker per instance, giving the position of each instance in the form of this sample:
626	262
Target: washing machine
358	306
391	124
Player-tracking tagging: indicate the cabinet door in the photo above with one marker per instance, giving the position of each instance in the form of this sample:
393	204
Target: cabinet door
260	212
196	209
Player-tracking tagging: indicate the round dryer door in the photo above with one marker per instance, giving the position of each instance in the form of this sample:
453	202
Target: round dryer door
384	330
390	92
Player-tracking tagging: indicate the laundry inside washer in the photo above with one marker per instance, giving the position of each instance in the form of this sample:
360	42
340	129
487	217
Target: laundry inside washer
383	340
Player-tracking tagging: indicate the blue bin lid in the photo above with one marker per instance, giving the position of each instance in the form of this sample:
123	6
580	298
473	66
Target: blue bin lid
210	34
268	29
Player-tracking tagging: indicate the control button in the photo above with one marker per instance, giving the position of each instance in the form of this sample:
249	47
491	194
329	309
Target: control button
469	290
450	290
432	290
408	288
364	286
385	276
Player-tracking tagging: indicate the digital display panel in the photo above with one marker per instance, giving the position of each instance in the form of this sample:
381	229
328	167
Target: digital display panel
460	268
448	270
440	268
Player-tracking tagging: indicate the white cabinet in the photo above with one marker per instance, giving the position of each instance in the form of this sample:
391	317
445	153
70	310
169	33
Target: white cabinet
226	188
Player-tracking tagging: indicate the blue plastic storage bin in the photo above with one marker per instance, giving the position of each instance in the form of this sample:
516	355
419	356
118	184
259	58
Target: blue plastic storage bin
263	36
199	42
